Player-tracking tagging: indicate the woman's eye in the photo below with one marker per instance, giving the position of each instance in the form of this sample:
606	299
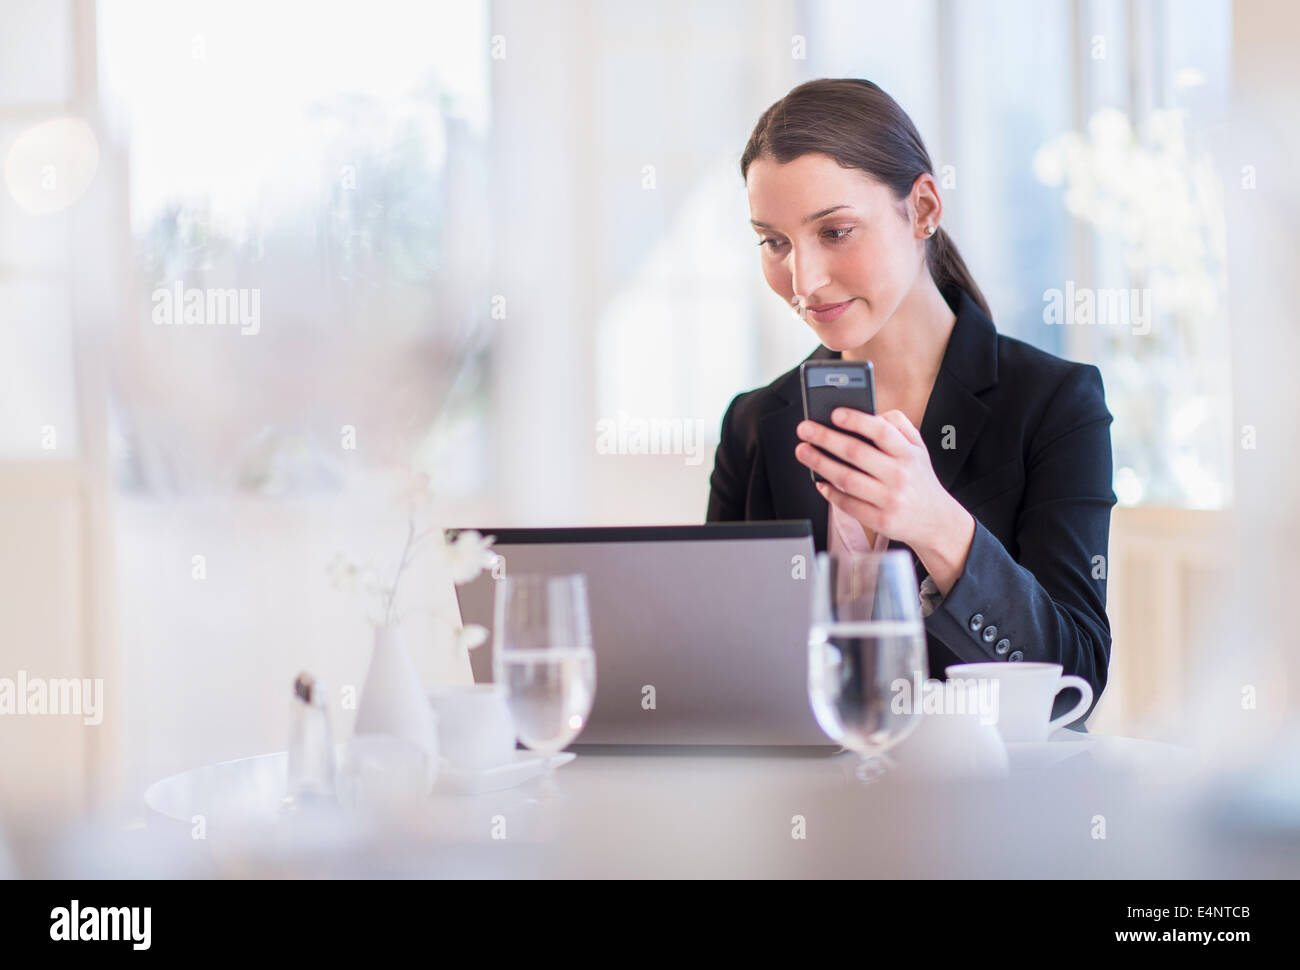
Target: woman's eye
834	235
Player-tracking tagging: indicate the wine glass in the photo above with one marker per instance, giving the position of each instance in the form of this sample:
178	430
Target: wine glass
543	657
866	639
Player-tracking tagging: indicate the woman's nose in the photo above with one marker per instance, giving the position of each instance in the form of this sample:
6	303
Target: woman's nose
807	273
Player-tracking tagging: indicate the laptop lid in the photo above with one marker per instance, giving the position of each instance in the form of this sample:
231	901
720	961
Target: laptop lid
700	632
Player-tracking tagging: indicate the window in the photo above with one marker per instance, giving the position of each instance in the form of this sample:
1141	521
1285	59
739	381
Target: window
996	90
323	166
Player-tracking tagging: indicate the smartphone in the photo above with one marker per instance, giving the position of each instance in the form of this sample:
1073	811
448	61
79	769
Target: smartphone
831	384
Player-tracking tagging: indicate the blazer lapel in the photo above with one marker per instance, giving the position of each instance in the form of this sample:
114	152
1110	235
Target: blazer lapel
794	496
954	418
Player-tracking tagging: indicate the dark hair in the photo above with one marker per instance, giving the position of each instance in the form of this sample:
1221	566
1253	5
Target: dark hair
860	126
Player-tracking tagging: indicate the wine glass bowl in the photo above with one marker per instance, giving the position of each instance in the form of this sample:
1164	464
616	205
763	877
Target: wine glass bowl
543	657
866	639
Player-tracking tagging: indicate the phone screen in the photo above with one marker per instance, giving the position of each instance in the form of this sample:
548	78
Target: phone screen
831	384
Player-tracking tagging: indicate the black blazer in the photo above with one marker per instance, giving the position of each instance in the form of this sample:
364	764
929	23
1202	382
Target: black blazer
1031	463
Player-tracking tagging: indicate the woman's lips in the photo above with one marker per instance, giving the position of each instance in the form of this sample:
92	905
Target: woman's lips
827	312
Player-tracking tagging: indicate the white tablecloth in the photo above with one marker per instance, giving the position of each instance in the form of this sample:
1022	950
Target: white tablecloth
1113	808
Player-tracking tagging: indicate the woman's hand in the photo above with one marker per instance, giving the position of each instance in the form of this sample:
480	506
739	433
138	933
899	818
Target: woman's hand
890	488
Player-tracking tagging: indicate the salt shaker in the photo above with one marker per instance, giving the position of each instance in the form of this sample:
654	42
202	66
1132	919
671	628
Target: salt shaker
311	747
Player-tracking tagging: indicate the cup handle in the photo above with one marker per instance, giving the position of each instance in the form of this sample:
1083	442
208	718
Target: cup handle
1085	688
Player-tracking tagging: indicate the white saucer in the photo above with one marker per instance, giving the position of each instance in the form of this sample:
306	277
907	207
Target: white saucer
526	765
1043	754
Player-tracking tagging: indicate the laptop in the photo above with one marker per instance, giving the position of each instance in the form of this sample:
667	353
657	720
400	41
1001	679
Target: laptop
700	631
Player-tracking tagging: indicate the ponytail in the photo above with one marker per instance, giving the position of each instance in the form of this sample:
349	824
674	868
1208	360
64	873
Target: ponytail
947	267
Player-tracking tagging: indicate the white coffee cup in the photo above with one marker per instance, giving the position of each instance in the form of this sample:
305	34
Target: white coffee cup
1026	693
475	730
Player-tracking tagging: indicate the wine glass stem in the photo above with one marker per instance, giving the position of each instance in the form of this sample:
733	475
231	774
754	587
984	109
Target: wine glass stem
548	776
871	767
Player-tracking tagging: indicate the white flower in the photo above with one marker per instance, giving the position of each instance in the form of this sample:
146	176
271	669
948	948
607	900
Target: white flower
472	636
462	637
1049	164
344	574
349	576
1110	129
415	490
467	555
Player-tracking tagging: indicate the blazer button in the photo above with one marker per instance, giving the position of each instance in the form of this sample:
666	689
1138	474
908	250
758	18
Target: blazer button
976	622
1003	646
990	633
1016	655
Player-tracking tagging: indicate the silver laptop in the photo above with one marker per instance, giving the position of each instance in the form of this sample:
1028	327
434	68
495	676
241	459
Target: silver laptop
714	618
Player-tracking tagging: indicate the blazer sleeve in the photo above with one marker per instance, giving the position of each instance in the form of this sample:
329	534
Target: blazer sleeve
728	483
1050	603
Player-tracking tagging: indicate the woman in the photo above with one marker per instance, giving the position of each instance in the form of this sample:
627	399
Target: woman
991	460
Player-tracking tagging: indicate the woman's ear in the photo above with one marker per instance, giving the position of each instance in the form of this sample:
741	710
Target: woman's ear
925	203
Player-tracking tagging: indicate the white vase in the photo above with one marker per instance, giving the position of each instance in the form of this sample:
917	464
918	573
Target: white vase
393	701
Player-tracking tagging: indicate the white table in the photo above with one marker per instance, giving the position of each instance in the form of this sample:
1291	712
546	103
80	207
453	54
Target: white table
1116	808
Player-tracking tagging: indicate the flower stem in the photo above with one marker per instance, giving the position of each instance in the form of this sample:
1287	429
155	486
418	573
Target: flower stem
392	590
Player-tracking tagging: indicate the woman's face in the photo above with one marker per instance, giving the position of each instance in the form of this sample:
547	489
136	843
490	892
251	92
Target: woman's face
830	236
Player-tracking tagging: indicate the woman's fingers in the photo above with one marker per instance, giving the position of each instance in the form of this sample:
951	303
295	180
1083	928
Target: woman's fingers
846	447
864	512
893	490
844	477
900	421
883	429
